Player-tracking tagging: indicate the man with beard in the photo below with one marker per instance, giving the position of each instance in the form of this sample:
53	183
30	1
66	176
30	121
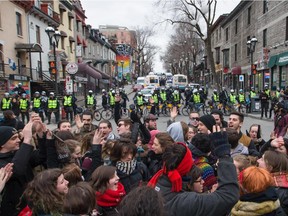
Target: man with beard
84	123
235	121
150	122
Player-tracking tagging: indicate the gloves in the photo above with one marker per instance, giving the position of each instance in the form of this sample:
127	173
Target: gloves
219	141
135	117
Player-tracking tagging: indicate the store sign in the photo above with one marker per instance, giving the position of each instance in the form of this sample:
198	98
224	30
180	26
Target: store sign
72	68
241	78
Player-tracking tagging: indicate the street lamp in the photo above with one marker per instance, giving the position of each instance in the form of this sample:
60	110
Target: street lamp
54	37
251	44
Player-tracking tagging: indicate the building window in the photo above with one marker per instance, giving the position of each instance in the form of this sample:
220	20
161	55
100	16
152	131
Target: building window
235	52
264	37
248	51
69	23
77	26
18	23
38	36
71	47
63	43
265	6
61	16
286	33
236	26
249	16
220	34
226	58
227	34
217	55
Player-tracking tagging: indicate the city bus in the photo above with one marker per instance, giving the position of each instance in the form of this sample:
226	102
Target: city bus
152	80
180	80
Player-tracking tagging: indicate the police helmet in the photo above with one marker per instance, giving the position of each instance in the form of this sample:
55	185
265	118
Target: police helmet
37	92
6	94
90	91
195	91
43	93
232	90
241	90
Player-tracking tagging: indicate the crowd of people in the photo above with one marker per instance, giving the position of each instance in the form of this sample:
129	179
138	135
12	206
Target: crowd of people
205	166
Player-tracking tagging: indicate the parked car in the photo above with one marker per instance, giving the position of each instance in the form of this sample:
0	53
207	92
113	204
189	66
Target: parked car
137	87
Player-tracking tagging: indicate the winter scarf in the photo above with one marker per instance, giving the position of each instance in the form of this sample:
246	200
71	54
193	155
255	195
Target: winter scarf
175	176
126	167
280	179
257	204
110	198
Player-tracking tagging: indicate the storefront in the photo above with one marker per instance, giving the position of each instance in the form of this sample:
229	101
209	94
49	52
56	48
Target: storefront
278	65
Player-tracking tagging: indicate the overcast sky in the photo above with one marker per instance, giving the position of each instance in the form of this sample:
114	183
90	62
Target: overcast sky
132	13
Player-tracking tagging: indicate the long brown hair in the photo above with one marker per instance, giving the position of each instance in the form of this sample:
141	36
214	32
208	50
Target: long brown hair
101	176
72	174
42	192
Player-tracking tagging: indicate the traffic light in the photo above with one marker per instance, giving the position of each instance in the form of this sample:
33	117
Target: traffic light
254	69
52	67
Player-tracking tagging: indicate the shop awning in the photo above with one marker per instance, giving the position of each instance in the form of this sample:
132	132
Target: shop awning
282	59
84	43
71	39
63	34
104	75
62	7
272	61
70	14
29	46
86	69
79	41
236	70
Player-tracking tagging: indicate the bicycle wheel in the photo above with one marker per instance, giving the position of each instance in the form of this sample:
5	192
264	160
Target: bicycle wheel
124	113
97	115
146	111
107	114
185	111
167	111
207	110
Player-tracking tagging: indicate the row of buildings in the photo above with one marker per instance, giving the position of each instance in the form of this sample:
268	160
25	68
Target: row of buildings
103	55
242	65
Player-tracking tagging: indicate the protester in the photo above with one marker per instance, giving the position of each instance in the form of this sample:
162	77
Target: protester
257	194
64	125
142	201
45	193
255	134
109	191
161	141
130	172
206	123
80	200
178	162
178	131
11	120
24	160
241	162
72	173
277	164
236	147
194	180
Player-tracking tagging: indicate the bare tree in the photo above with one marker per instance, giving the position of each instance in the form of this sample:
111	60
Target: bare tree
192	13
145	51
184	49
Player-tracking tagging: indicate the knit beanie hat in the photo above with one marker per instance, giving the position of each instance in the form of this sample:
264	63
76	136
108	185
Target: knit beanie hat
208	121
6	133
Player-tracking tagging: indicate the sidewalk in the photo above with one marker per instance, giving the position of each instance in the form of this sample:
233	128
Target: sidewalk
81	101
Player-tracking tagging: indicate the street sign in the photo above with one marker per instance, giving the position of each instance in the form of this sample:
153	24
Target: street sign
72	68
241	78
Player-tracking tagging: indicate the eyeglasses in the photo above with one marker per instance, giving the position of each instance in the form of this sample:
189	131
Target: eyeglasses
194	119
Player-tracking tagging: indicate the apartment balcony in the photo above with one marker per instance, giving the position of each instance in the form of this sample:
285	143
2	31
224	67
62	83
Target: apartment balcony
44	11
46	8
